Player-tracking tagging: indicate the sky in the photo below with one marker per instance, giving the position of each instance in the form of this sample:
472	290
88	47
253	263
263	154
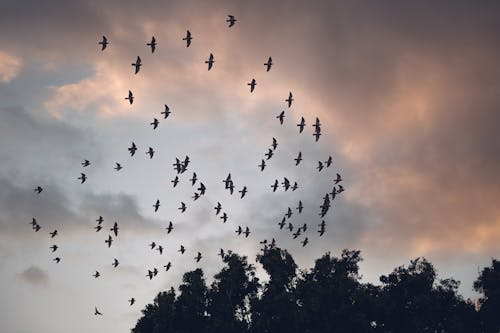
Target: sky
407	96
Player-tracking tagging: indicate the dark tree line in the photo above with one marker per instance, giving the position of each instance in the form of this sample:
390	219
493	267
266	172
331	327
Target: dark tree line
327	298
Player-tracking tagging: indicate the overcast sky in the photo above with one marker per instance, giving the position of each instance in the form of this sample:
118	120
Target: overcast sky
407	94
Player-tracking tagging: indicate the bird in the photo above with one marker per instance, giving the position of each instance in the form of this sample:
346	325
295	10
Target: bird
160	249
224	217
167	266
317	125
231	188
188	38
193	179
328	162
150	152
282	223
182	208
166	112
98	228
298	159
281	116
290	226
239	230
150	274
109	241
118	166
137	64
54	248
275	185
115	263
286	183
152	44
202	188
131	301
317	134
289	213
231	20
210	61
304	227
57	260
53	233
130	97
301	125
305	241
294	186
85	163
182	249
300	207
274	144
320	166
37	227
154	123
243	191
152	245
341	189
218	208
297	233
96	312
170	227
269	154
247	232
227	181
289	100
262	165
321	231
221	253
82	178
33	222
96	274
132	149
198	257
156	205
115	229
100	220
196	196
252	85
104	43
338	179
268	64
38	189
175	181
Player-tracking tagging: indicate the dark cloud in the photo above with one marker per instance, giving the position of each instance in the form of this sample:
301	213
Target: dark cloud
35	276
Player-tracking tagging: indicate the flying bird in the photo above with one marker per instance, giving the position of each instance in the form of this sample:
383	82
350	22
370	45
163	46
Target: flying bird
166	112
188	38
289	213
227	181
182	208
154	123
193	179
131	301
275	144
100	220
167	266
239	230
262	165
328	162
269	154
338	179
210	61
247	232
98	228
268	64
224	217
282	223
115	229
137	64
38	189
298	159
132	149
301	125
196	196
53	233
96	312
37	228
82	178
152	245
182	249
320	166
175	181
156	205
294	186
150	274
305	242
198	257
202	188
54	248
109	241
85	163
317	134
231	20
152	44
170	227
275	185
96	274
130	97
57	260
150	152
286	183
252	85
160	249
221	253
115	263
218	208
300	206
104	43
243	191
281	116
289	100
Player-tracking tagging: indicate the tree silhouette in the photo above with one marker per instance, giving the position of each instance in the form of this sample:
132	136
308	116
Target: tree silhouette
330	297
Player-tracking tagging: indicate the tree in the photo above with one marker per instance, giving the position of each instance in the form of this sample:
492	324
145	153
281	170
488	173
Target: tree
190	306
488	283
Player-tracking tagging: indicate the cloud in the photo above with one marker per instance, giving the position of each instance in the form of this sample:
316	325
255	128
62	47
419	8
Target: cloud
10	66
35	276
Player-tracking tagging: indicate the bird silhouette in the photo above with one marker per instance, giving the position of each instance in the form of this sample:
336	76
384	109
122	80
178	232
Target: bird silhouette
239	230
320	166
188	38
98	228
156	205
166	112
300	206
152	245
202	188
160	249
85	163
298	159
218	208
182	249
286	183
82	178
243	191
231	20
38	189
130	97
195	196
155	123
294	186
275	185
281	116
193	179
152	44
269	154
268	64
118	166
131	301
57	260
252	85
170	227
54	248
104	43
137	64
115	263
150	274
301	125
289	213
198	257
289	100
96	274
132	149
305	242
282	223
329	161
109	241
115	229
183	207
97	313
274	145
167	266
53	233
175	181
224	217
247	232
150	152
338	179
99	220
210	61
262	165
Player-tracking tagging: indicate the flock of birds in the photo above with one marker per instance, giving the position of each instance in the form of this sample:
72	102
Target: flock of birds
180	166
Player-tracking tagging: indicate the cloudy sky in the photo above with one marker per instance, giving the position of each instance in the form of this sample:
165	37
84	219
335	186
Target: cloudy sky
407	94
